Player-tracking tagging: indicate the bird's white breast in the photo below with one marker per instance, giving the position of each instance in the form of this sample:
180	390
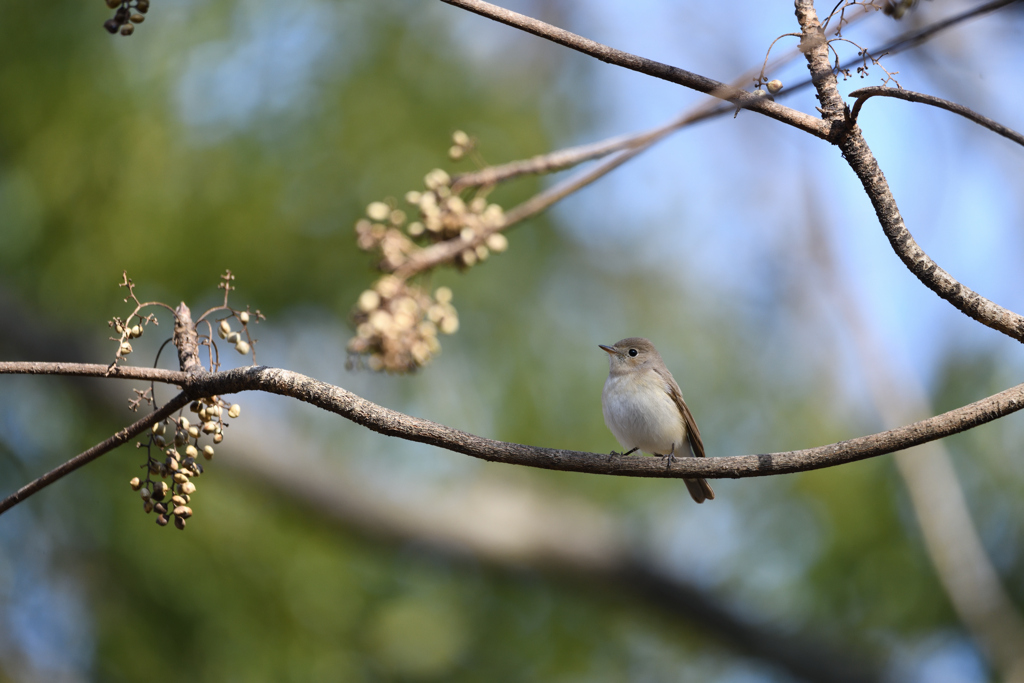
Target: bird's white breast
641	414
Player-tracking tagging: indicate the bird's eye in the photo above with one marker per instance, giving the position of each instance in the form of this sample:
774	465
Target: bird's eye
633	352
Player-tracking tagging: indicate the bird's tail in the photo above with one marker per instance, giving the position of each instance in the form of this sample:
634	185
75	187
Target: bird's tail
699	490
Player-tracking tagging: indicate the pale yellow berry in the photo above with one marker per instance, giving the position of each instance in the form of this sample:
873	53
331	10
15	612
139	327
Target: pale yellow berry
244	317
368	301
224	329
467	234
134	483
179	522
188	488
455	152
482	252
136	330
497	242
233	338
437	178
381	320
388	286
209	427
184	423
208	452
468	257
235	410
456	205
774	86
378	211
126	348
460	138
183	511
415	229
217	438
443	295
193	431
191	451
450	324
180	478
413	197
242	347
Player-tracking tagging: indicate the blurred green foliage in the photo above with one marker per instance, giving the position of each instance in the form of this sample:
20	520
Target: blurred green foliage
143	154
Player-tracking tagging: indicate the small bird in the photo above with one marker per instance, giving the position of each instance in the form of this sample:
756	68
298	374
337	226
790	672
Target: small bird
644	408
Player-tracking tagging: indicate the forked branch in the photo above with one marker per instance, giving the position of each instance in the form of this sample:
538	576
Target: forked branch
393	423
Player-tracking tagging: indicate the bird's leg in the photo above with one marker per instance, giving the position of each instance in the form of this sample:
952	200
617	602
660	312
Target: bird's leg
670	457
629	452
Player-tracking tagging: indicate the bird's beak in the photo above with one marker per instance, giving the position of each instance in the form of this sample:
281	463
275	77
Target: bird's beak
609	349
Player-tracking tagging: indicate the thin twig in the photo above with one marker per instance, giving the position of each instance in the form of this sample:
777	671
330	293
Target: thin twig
444	252
864	94
123	436
737	96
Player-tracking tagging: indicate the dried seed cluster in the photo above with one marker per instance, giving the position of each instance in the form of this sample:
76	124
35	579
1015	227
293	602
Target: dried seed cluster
128	13
180	463
224	331
132	328
462	145
397	325
442	215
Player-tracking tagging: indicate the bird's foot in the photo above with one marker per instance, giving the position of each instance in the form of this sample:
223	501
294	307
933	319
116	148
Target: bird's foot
670	457
629	452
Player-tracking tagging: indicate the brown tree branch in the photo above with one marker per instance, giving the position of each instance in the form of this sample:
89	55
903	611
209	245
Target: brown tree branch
186	339
123	436
393	423
858	155
864	94
94	370
610	55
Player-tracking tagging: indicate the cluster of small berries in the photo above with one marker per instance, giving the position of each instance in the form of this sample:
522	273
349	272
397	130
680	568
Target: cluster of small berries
129	13
397	325
443	216
181	461
126	331
462	145
225	332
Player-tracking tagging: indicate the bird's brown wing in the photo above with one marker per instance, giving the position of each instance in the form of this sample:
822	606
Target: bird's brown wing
691	425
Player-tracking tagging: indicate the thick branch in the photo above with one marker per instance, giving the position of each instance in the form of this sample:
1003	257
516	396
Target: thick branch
392	423
857	153
864	94
94	370
123	436
187	340
650	67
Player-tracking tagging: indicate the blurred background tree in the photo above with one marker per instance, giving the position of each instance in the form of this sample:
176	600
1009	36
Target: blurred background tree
251	135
